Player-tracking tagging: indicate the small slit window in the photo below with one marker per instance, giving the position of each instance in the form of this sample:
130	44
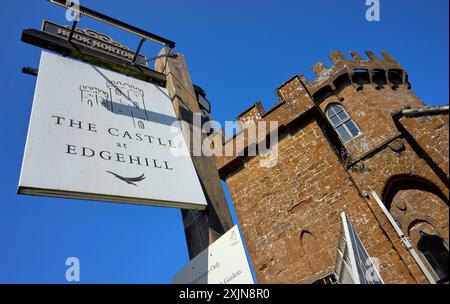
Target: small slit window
342	123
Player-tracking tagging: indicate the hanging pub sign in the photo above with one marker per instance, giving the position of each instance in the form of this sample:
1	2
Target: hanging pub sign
99	135
94	40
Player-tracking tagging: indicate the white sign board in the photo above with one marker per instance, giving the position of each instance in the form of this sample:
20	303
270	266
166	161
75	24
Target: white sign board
353	263
223	262
99	135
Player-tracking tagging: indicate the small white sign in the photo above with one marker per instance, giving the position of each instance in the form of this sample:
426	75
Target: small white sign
100	135
353	263
223	262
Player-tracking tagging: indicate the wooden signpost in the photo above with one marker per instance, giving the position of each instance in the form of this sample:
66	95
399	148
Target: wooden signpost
201	227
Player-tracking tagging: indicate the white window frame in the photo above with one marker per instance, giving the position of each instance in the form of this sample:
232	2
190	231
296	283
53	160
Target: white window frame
342	122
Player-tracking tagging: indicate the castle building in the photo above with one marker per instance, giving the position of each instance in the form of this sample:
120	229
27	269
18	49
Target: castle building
355	129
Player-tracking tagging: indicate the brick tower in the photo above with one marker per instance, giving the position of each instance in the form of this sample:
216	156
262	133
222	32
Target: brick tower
354	129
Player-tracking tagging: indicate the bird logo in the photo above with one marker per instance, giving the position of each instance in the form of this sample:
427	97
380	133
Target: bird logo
129	180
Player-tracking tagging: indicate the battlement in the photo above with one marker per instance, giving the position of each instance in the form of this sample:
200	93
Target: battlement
94	90
251	115
123	85
299	98
357	71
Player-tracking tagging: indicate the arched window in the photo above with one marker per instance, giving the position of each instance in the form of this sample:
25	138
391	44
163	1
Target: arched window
435	252
342	123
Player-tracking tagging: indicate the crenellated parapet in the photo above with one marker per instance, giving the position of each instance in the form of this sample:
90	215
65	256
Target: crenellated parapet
113	84
379	71
298	96
94	90
93	96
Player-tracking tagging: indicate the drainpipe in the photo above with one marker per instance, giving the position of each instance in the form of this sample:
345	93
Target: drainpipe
404	239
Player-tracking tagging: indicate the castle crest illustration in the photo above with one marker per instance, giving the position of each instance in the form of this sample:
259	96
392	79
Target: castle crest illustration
119	98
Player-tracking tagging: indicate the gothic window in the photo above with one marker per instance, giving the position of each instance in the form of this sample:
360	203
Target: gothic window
435	252
342	122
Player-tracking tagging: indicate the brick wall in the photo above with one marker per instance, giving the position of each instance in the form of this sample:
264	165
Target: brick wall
289	213
431	133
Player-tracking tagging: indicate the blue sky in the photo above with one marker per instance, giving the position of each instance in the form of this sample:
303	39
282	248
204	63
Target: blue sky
239	52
